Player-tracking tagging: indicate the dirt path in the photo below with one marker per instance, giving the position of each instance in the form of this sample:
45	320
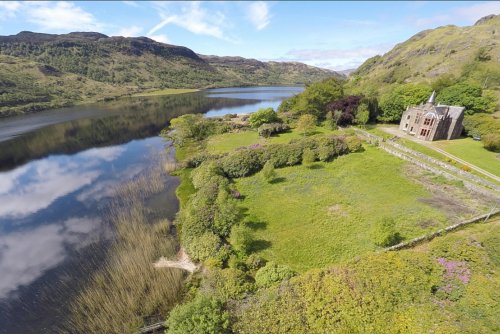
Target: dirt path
397	132
183	262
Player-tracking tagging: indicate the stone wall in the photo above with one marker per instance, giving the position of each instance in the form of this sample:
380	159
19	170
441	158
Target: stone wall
430	236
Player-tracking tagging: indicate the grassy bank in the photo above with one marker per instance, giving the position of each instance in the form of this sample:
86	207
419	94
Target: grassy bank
167	91
471	151
128	289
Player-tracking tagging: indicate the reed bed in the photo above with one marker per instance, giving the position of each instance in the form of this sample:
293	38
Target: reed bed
128	292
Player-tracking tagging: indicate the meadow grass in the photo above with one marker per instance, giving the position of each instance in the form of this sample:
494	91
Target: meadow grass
128	289
167	91
312	217
471	151
229	141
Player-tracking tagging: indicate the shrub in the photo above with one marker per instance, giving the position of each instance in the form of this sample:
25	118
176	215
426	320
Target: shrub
491	142
272	273
354	143
308	157
203	315
203	247
268	129
201	175
330	121
268	171
241	239
384	233
196	159
229	283
194	127
283	155
254	262
466	168
241	163
225	216
262	116
306	124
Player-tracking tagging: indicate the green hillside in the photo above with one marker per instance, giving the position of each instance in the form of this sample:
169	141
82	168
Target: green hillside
471	53
40	71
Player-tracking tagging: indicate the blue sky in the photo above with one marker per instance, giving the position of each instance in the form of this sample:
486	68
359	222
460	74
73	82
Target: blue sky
335	35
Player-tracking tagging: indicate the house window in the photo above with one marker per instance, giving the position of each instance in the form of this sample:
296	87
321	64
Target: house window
417	119
408	117
427	121
432	122
424	132
406	126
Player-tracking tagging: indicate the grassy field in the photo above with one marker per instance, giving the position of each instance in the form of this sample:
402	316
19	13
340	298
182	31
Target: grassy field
312	217
229	141
167	91
473	152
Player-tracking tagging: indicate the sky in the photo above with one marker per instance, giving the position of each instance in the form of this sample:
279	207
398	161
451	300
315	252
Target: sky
334	35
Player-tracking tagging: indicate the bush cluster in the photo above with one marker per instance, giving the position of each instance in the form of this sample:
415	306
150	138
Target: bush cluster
209	215
491	142
250	160
268	129
263	116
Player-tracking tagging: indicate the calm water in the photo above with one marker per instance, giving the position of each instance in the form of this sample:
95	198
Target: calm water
58	170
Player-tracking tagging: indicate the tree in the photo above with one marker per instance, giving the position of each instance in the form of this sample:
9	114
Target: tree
262	116
314	98
203	315
362	115
394	103
468	95
308	157
443	81
268	171
306	124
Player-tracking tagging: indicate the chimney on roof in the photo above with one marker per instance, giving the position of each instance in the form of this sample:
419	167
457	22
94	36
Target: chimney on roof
432	98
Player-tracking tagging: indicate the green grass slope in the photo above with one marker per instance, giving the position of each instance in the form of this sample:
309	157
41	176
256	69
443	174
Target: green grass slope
473	52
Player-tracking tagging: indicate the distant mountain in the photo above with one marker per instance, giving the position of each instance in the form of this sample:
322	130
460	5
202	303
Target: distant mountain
347	72
40	71
472	52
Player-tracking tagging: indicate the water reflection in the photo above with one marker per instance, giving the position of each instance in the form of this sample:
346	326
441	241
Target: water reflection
57	180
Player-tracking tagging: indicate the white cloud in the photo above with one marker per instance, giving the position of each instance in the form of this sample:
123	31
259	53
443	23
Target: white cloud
470	14
132	31
162	38
8	9
335	59
193	18
477	11
258	14
109	153
48	181
60	16
28	254
131	3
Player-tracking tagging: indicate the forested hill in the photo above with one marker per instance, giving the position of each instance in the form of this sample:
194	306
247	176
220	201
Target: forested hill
461	53
40	71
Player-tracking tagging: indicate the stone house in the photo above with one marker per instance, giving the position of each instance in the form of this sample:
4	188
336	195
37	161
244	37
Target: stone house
433	122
